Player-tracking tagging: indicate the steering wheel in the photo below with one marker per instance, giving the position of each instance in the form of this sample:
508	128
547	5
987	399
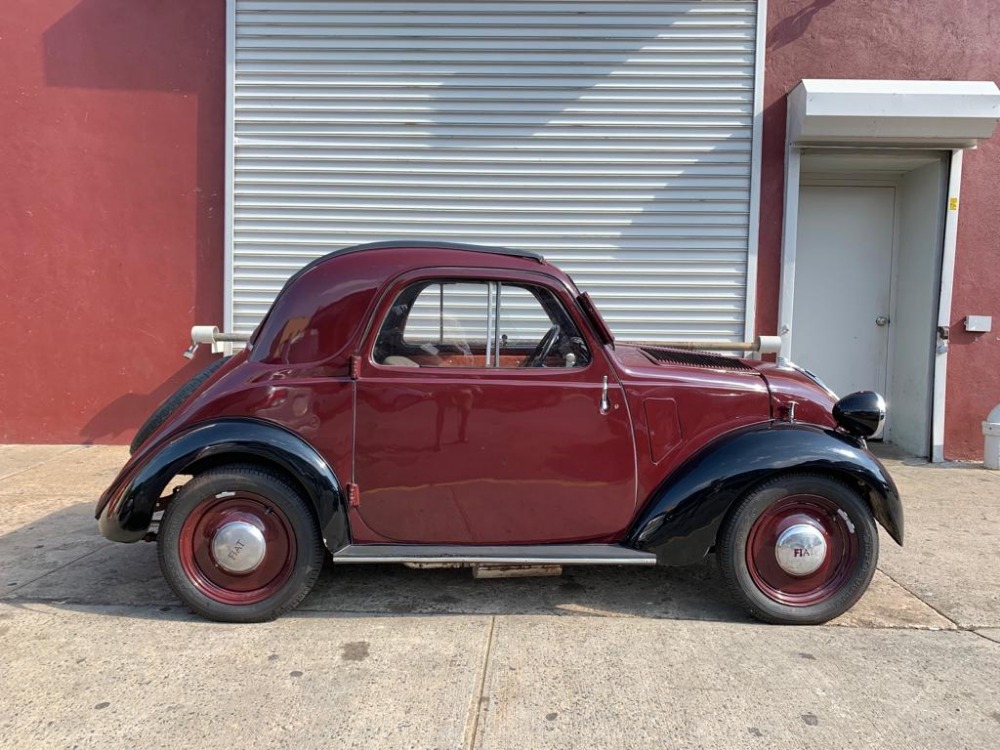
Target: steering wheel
537	357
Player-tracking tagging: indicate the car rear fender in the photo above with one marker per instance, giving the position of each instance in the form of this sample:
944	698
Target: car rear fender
125	510
682	517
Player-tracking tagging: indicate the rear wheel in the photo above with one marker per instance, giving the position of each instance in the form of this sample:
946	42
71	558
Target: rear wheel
239	544
799	550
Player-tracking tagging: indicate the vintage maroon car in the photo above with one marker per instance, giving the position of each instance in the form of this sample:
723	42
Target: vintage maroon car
439	403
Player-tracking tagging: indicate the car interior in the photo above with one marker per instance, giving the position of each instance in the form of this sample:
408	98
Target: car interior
478	324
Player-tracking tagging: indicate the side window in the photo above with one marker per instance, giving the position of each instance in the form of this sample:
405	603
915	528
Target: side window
523	320
535	330
480	324
449	315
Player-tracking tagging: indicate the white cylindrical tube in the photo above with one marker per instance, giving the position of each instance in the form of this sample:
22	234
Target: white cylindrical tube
204	334
769	344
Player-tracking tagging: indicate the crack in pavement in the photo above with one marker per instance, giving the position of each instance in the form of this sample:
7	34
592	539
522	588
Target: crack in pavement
984	636
477	699
916	596
69	449
958	626
382	613
54	570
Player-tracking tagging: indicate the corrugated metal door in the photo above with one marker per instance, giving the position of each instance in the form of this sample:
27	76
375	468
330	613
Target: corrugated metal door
614	137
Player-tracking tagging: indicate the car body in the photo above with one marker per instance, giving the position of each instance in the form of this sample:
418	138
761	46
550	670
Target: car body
435	403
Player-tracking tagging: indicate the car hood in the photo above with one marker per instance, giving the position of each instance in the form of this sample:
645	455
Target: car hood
788	384
784	382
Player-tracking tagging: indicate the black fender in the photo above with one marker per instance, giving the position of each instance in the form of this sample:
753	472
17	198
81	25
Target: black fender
682	517
125	510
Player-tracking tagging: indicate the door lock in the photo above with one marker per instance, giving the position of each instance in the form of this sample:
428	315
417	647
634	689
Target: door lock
881	321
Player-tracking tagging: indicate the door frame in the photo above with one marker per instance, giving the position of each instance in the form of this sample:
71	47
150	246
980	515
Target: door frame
599	375
388	294
786	294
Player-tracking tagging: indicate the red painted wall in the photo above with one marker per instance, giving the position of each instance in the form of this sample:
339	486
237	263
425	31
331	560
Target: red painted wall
921	39
111	156
111	146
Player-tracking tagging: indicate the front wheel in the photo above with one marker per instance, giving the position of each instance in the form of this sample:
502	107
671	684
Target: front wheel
799	550
239	544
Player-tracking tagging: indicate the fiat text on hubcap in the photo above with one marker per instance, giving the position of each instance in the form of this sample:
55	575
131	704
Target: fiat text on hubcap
801	549
238	547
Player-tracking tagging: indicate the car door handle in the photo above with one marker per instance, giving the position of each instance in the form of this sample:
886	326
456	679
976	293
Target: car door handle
605	401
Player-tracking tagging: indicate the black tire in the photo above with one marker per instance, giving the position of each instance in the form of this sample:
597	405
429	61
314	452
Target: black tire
303	564
841	592
169	406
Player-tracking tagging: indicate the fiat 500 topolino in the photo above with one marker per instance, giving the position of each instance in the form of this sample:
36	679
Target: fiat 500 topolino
444	404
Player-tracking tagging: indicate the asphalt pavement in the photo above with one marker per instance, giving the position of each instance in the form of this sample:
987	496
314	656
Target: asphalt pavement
95	651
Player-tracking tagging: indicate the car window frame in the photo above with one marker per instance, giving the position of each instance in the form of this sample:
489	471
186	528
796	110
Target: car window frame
563	294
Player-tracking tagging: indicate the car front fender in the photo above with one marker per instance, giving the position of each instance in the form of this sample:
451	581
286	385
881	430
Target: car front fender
681	519
125	510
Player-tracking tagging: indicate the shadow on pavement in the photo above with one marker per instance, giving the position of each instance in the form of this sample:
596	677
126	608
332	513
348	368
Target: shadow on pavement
60	560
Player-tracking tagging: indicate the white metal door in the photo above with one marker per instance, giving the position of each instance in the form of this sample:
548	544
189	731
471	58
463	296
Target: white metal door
614	137
843	278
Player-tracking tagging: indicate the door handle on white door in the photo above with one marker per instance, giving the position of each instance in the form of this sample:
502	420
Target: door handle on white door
881	320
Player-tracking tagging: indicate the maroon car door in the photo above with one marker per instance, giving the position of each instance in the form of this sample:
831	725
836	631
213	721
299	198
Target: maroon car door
461	437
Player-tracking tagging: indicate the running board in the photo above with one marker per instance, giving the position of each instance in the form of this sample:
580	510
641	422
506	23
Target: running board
520	554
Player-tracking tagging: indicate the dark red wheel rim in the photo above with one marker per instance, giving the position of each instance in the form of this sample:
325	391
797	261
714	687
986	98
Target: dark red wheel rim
842	551
219	584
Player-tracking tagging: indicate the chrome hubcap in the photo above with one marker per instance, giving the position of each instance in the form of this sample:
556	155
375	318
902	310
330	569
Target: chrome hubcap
801	549
238	547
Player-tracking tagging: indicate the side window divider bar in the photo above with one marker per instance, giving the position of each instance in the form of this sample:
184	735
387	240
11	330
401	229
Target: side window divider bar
496	325
489	321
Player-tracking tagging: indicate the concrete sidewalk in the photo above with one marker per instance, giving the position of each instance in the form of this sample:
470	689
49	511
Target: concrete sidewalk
97	652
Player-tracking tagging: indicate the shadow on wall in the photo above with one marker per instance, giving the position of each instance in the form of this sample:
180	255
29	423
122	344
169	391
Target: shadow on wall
158	46
790	28
127	413
124	45
651	213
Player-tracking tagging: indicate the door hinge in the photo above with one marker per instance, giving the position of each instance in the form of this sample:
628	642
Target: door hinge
355	366
353	495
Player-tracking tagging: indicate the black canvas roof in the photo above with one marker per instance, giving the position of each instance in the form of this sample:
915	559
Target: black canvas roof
431	245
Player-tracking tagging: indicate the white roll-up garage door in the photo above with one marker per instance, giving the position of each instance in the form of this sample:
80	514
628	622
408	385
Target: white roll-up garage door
613	137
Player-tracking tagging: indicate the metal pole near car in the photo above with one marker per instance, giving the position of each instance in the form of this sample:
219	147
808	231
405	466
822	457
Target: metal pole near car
760	345
212	336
